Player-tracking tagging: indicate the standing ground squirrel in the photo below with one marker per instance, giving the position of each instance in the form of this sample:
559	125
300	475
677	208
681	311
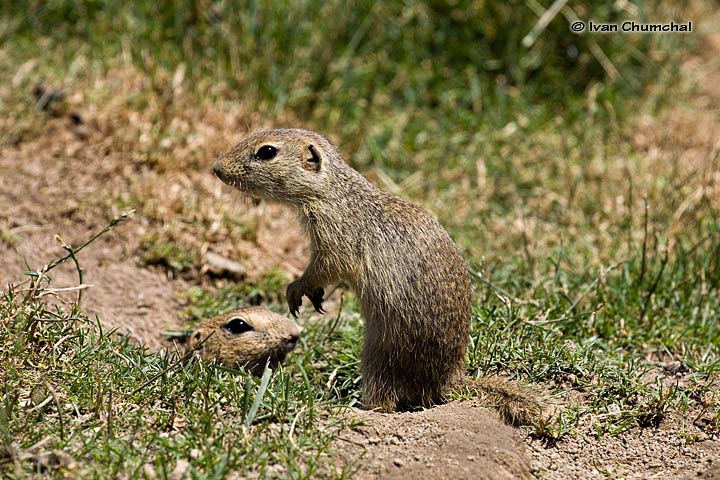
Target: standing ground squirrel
412	283
251	337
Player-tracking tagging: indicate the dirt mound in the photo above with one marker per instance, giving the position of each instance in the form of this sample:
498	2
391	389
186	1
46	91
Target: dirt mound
458	440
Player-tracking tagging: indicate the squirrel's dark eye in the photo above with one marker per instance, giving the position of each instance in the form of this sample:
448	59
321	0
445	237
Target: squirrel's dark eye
237	325
266	152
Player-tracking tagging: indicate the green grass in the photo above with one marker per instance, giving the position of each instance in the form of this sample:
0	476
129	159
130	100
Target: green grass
169	255
72	386
101	412
267	291
593	264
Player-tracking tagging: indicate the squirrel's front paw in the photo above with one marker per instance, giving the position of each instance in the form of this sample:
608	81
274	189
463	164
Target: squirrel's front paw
296	290
294	295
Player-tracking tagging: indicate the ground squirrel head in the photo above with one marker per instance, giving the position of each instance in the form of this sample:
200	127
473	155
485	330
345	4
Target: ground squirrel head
249	337
286	165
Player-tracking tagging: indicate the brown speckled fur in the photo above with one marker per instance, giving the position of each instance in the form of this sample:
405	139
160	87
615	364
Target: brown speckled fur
412	284
271	337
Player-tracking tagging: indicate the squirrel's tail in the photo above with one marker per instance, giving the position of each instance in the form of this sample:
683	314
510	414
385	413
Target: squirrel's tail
517	404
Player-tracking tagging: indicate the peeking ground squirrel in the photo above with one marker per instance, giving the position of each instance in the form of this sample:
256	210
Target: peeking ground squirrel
251	337
413	285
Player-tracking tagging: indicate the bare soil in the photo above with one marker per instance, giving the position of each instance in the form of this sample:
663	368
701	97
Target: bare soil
59	183
458	440
464	440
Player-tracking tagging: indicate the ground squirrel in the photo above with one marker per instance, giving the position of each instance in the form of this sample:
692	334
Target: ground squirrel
413	285
250	337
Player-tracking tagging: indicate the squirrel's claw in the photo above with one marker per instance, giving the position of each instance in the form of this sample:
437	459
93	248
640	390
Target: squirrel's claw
294	297
317	298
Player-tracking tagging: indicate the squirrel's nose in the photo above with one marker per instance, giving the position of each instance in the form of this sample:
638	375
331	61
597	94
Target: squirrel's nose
216	168
295	332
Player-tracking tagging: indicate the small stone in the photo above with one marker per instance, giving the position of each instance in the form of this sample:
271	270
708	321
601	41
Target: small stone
180	469
51	459
149	472
398	462
676	368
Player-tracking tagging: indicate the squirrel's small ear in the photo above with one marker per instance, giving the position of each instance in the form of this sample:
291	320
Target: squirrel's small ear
312	161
